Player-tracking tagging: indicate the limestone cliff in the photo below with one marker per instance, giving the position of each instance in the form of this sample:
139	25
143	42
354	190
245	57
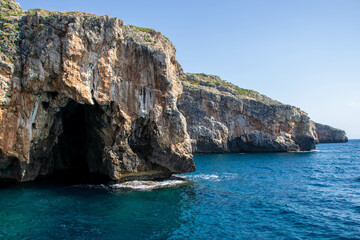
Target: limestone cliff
87	94
222	117
327	134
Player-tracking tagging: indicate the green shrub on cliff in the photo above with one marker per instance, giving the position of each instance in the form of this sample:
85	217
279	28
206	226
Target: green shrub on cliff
197	79
35	11
147	30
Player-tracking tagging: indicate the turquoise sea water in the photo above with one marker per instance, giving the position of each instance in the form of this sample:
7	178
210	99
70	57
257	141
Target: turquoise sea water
314	195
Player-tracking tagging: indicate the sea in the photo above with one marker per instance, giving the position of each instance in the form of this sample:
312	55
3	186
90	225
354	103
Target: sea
307	195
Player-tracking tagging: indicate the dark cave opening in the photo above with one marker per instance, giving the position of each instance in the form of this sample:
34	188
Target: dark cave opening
77	156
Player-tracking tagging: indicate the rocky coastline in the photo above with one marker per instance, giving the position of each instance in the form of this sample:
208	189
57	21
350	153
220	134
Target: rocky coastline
85	95
222	117
327	134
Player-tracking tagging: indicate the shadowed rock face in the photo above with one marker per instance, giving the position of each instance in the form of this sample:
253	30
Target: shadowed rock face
86	95
327	134
222	117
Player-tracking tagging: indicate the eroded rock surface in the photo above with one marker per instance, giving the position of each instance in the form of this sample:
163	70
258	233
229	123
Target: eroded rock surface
222	117
87	94
327	134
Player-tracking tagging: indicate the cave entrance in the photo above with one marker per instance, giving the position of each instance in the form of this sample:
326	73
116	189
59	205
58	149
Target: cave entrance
78	153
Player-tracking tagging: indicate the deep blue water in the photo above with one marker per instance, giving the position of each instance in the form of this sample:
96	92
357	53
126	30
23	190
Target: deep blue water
314	195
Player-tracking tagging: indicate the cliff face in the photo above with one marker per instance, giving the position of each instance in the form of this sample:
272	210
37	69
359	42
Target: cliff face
87	94
327	134
222	117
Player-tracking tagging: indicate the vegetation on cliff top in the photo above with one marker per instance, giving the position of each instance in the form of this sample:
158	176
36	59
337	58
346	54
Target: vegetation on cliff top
9	29
147	30
202	79
47	13
6	11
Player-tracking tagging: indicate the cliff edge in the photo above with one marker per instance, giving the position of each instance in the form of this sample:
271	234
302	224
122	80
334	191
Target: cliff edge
222	117
327	134
86	94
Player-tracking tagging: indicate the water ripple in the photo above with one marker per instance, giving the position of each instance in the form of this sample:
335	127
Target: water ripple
231	196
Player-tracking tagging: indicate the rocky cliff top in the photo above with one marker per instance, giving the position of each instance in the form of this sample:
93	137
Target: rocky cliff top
11	26
223	117
9	5
328	134
217	85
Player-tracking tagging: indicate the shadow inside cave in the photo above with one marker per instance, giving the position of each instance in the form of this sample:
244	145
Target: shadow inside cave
77	156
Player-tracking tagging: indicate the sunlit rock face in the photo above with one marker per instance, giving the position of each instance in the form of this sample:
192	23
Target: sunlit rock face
327	134
85	94
222	117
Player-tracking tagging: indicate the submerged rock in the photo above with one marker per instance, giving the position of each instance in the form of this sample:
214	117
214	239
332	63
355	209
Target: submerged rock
327	134
222	117
86	94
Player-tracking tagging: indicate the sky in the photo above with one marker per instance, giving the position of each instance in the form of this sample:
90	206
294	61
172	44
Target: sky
301	52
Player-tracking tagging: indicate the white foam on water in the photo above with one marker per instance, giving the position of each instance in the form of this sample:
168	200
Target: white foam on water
310	151
211	177
147	185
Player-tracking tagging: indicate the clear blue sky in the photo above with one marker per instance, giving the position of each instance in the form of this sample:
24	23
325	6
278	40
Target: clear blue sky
301	52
